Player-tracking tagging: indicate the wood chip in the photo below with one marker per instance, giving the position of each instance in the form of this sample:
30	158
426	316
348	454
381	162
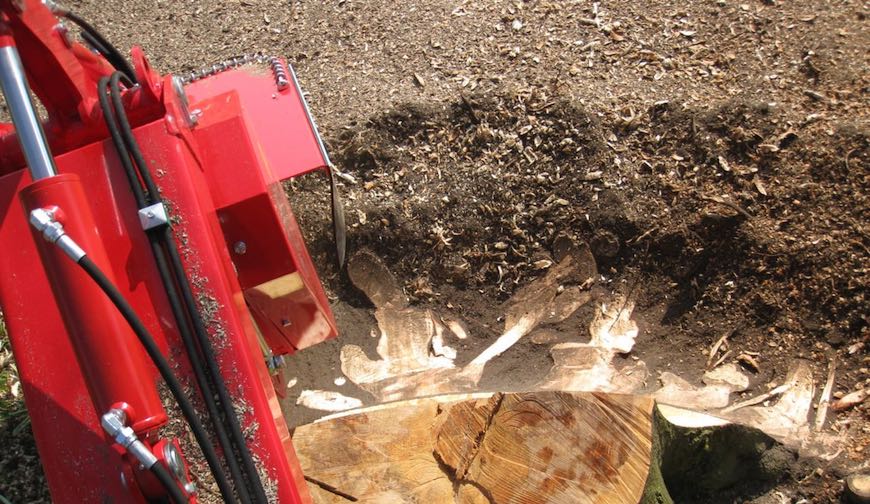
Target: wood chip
759	186
719	344
815	95
542	264
849	400
730	376
768	148
759	399
730	204
825	399
721	359
749	361
326	400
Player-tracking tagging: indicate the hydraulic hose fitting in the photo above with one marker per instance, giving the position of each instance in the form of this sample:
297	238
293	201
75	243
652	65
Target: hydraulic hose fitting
115	424
55	7
45	221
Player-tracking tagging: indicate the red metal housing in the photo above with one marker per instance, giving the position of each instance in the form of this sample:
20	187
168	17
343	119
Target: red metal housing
116	369
252	136
221	179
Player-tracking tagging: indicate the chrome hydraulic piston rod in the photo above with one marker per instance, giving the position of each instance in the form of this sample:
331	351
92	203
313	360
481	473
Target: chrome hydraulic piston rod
27	126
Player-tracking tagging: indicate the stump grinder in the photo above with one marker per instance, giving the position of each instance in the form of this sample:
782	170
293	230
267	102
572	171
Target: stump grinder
153	274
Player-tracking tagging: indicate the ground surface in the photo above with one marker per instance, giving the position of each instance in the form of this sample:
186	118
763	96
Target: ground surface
713	154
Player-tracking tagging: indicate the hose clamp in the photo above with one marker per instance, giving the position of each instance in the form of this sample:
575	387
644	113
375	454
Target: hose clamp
153	216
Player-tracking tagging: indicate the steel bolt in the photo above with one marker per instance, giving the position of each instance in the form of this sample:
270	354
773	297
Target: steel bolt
62	30
240	247
190	488
194	116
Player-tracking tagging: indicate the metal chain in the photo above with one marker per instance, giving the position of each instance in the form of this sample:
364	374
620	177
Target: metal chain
278	68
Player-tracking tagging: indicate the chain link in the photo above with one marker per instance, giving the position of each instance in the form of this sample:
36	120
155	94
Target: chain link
278	68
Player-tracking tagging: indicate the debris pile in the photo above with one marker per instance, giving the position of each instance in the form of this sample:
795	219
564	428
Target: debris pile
416	358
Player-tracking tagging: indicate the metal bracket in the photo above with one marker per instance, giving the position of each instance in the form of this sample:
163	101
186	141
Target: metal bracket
153	216
191	116
176	465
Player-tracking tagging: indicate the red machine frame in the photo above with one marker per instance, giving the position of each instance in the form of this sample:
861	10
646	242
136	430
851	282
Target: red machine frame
220	148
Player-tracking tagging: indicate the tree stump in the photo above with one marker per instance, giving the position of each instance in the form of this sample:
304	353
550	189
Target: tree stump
536	447
550	445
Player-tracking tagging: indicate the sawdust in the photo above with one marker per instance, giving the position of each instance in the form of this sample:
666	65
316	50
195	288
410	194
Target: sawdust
715	158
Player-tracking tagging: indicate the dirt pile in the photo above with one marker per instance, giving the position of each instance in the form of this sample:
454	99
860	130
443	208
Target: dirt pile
751	214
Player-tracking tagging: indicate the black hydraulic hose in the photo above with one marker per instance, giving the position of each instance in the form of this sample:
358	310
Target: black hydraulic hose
175	494
211	362
199	373
183	284
103	46
156	238
166	373
118	142
238	446
130	140
94	43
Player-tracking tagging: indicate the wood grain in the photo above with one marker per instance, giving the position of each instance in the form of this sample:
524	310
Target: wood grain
504	448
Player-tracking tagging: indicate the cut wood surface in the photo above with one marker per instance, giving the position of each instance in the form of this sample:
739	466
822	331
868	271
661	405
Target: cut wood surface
532	447
523	447
570	437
